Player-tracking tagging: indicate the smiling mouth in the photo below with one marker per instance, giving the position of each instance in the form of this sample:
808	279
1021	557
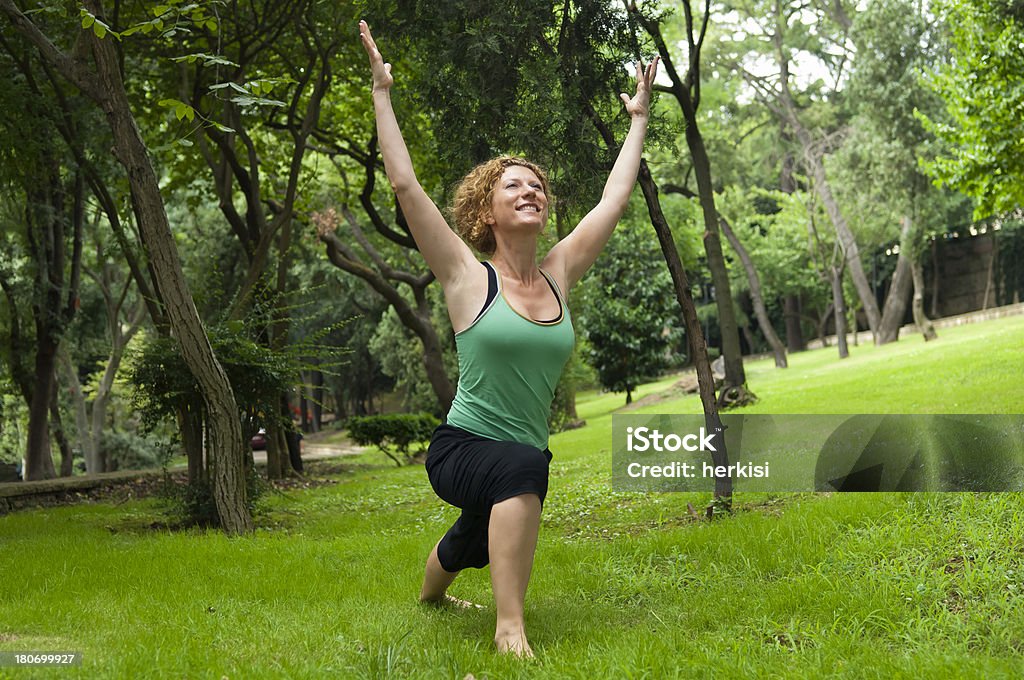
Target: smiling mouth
528	207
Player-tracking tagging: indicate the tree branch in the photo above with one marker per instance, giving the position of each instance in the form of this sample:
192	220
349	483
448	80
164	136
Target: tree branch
80	76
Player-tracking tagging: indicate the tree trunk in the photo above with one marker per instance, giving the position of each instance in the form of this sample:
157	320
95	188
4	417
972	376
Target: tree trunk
318	400
86	442
101	400
924	324
895	307
748	335
686	91
763	322
794	333
823	317
694	333
304	404
293	440
46	216
190	424
785	108
935	278
734	373
57	427
991	267
275	452
839	307
849	242
570	408
226	447
38	456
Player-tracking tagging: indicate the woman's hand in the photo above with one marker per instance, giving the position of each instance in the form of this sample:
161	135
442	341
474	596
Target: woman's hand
640	104
382	80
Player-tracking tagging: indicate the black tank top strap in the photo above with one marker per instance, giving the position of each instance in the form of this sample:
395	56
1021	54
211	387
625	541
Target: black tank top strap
558	296
492	289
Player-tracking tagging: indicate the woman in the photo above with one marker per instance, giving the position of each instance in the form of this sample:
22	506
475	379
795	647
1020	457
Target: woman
513	337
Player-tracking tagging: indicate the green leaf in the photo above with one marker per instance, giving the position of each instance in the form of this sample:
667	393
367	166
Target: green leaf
256	101
180	110
160	9
208	59
99	29
222	128
88	20
185	142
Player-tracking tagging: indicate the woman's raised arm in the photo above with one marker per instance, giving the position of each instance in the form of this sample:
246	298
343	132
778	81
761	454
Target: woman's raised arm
446	254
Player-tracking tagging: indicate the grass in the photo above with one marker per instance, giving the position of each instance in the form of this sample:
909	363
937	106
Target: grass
625	585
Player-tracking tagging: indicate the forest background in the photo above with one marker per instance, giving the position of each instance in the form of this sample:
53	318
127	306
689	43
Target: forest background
199	241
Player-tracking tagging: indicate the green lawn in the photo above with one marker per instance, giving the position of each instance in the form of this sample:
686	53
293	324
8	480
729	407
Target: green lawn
625	585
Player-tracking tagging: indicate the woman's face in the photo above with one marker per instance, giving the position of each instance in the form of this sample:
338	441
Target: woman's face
519	201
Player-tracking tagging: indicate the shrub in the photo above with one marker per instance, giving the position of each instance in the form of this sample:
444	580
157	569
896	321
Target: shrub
394	434
130	451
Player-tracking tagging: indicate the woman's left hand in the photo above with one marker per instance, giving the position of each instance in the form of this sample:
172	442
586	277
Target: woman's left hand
640	104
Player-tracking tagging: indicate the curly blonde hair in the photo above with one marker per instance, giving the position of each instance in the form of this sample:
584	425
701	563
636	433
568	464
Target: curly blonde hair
473	195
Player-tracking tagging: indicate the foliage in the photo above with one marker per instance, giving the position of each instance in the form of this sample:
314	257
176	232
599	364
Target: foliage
13	419
983	88
773	226
125	450
628	315
515	82
400	355
876	172
259	374
576	375
393	434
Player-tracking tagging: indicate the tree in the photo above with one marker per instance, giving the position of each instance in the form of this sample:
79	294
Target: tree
982	85
877	170
102	82
783	33
379	274
52	208
686	89
630	326
123	314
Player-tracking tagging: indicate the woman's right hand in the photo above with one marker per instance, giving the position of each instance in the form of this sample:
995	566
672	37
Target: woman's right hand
382	80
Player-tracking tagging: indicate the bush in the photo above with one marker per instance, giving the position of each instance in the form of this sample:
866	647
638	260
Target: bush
394	433
130	451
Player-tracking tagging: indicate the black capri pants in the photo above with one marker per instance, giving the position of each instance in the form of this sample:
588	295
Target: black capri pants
473	473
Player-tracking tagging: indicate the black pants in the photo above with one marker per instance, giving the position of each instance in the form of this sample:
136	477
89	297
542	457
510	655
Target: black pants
473	473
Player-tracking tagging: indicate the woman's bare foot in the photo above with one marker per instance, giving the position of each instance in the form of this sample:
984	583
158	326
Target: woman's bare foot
513	642
447	600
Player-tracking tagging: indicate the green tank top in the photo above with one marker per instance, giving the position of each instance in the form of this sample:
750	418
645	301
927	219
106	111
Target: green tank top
509	366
